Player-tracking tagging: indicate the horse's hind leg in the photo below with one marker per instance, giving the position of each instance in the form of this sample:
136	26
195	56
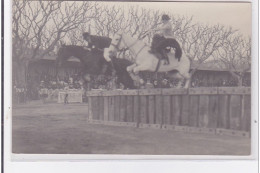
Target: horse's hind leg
187	83
177	75
179	85
183	77
187	77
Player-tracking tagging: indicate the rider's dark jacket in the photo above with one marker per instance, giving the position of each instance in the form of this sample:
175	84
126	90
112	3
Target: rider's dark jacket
99	42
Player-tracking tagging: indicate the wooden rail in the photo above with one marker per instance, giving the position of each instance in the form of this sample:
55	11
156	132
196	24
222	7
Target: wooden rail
223	110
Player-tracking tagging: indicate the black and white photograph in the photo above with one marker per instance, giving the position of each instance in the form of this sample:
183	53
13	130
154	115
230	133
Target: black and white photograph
131	78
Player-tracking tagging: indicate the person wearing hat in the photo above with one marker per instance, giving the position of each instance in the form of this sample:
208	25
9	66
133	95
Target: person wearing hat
163	31
165	27
96	42
165	83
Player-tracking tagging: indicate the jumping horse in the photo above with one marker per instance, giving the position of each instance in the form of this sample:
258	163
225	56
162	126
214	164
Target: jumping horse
146	61
93	63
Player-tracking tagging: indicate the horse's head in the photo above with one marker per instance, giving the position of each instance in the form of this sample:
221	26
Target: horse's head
117	44
109	55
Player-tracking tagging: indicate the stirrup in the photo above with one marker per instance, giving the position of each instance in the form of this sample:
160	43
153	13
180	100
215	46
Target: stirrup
151	51
166	62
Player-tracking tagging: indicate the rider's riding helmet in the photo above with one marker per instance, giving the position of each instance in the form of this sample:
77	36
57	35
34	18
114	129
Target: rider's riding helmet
165	17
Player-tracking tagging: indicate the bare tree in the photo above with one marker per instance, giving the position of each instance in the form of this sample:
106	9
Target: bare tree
75	36
141	20
108	21
200	42
29	20
39	25
235	56
133	20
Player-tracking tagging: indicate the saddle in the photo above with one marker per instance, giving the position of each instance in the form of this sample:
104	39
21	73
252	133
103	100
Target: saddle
161	46
158	48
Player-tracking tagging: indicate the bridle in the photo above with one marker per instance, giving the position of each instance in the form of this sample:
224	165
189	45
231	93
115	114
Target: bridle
117	45
128	47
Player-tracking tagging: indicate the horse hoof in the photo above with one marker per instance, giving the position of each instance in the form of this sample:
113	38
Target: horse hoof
135	72
128	69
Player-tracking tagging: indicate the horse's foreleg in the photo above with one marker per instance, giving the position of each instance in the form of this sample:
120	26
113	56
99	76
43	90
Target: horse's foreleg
139	68
131	67
136	78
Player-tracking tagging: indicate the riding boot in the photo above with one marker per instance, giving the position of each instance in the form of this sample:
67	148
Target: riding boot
165	57
158	55
152	50
153	47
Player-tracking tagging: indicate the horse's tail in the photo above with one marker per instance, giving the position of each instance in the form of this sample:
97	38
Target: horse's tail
178	52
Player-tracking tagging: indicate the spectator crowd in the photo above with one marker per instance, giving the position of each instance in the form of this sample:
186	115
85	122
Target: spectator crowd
49	86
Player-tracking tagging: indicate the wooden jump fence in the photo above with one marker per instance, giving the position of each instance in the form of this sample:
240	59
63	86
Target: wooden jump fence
218	110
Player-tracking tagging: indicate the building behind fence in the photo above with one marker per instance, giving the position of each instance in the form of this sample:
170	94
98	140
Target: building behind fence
44	70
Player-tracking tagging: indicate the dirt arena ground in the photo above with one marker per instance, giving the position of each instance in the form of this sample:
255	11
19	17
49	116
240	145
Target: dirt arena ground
53	128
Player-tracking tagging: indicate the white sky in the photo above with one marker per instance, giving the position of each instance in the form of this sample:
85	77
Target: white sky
236	15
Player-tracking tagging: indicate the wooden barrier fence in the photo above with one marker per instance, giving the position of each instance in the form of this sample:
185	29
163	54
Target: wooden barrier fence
222	110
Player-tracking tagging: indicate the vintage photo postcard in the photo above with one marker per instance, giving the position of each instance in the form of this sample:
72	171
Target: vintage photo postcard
97	79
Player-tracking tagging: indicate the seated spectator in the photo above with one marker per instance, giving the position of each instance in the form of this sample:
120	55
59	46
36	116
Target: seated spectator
156	84
148	84
42	84
165	84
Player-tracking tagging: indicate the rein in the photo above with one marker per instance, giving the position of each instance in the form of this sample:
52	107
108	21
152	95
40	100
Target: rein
128	47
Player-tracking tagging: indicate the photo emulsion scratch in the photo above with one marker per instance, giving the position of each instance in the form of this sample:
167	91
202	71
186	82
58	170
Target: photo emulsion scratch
131	78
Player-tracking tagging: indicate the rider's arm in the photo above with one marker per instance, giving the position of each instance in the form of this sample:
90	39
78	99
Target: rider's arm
163	27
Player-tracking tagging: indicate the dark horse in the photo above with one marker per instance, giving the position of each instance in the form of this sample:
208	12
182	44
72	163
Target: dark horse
93	63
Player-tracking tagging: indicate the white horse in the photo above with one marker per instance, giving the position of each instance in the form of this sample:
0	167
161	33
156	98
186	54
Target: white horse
145	61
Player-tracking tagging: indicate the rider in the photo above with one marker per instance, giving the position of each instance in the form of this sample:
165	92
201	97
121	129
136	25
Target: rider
163	31
96	42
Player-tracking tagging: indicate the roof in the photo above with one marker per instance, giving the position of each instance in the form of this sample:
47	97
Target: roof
212	66
53	58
